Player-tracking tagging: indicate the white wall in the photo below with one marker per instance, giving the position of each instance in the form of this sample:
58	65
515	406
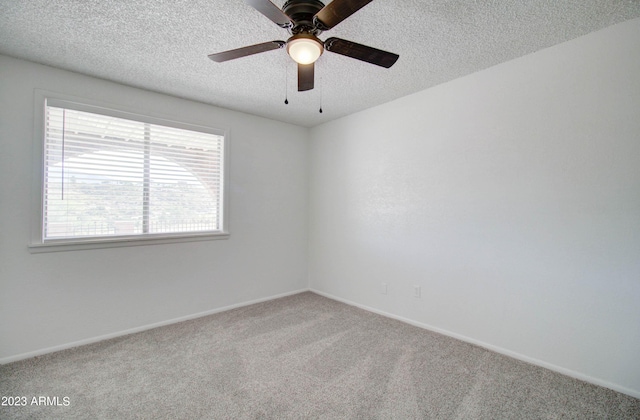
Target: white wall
511	196
53	299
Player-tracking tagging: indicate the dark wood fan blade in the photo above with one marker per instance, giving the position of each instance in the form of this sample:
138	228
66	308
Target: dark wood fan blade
245	51
305	76
361	52
271	11
337	11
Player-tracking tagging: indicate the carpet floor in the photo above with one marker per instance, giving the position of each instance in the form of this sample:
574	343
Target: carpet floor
302	356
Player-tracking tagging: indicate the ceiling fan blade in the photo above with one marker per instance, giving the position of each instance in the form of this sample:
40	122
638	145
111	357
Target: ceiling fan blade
337	11
245	51
271	11
305	76
361	52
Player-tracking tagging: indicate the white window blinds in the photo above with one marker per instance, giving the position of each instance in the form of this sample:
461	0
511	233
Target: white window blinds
106	176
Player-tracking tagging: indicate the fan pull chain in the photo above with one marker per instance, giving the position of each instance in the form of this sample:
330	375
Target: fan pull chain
320	93
286	85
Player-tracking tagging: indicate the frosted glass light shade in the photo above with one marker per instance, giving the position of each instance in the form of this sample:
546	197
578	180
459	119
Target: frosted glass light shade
304	50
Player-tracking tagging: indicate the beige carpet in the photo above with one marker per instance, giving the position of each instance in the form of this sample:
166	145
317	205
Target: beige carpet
303	356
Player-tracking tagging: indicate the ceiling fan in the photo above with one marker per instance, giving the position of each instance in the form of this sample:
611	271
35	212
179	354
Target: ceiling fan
305	20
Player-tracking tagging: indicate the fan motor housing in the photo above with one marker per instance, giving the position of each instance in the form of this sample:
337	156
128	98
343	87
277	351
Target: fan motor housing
301	12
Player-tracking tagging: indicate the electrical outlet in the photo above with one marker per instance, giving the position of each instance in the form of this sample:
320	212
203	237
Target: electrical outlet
383	288
416	291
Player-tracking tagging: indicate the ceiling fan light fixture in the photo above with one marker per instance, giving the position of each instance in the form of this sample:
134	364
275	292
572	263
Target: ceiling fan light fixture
304	48
305	20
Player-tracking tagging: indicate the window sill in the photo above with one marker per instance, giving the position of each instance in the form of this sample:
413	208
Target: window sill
122	241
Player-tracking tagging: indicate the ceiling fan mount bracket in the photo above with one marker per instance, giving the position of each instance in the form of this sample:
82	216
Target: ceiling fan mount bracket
301	13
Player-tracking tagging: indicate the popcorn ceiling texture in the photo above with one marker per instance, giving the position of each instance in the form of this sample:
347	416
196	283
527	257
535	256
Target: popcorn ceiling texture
162	45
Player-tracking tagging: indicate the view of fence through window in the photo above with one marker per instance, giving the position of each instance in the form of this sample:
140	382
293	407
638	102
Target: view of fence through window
108	176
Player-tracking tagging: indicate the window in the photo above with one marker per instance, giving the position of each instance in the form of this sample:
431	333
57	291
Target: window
111	177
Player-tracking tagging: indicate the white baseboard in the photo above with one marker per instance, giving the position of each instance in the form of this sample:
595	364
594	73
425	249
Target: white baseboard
506	352
92	340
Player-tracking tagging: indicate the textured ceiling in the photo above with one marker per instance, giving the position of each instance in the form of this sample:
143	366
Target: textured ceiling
162	45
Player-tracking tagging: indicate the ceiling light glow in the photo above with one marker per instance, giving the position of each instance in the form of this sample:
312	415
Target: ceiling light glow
304	48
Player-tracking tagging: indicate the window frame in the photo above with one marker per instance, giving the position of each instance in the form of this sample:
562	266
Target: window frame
38	244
